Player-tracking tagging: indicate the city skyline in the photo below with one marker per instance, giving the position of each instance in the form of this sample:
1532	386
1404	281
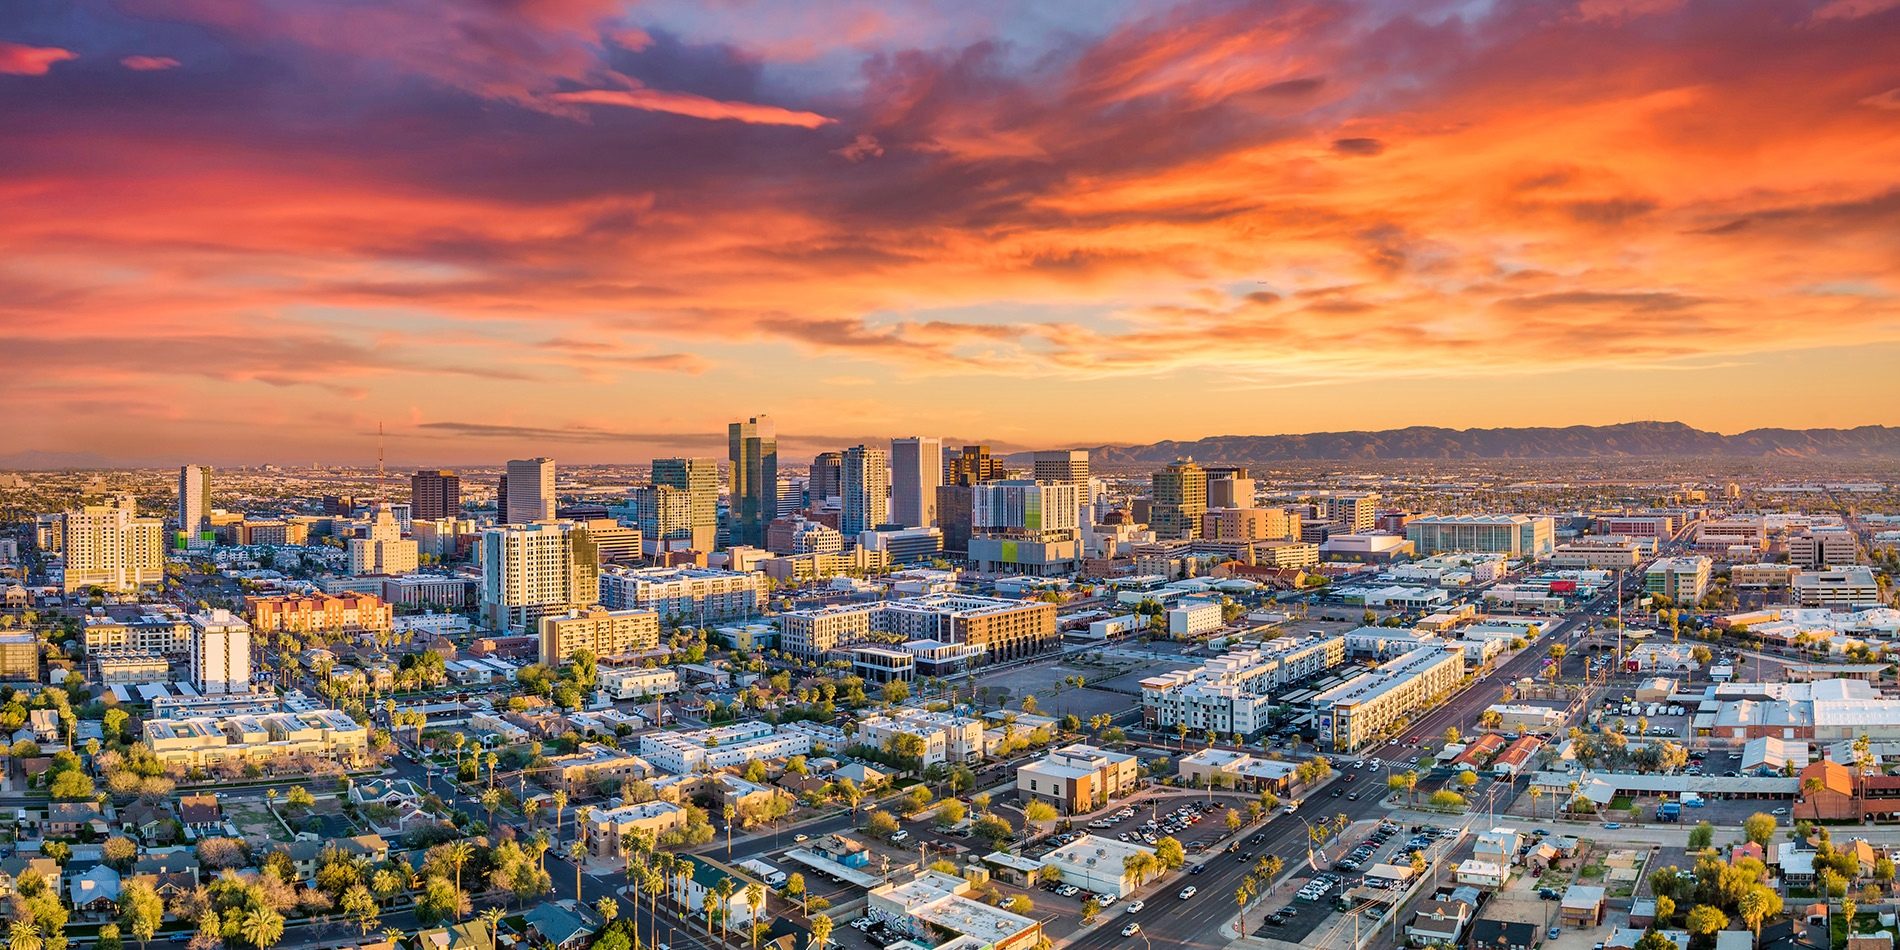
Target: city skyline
547	227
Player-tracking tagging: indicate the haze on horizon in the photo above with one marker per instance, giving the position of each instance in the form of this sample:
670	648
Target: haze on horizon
245	232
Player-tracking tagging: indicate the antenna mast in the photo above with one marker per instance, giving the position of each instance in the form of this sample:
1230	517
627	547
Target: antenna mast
382	485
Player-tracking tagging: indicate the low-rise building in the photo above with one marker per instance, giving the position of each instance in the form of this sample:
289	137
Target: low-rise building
1846	588
1194	618
270	738
608	827
1221	768
319	613
1096	864
1234	692
936	909
1078	778
946	737
1681	579
635	682
701	750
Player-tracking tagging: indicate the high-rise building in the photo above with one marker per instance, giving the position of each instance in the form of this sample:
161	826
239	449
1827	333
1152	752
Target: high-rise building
698	478
1356	512
867	486
1180	499
1229	487
530	571
220	653
194	504
664	515
791	494
1068	465
110	546
916	471
435	495
752	447
827	476
974	465
383	550
501	499
530	490
1021	526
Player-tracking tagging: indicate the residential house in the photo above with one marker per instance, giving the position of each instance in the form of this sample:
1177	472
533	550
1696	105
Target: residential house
1486	874
1438	922
146	820
695	889
200	812
15	866
468	935
65	819
1582	906
552	924
1499	845
1487	934
96	890
381	791
171	873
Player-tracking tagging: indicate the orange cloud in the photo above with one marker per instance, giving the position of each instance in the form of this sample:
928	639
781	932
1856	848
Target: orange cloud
17	59
148	63
698	107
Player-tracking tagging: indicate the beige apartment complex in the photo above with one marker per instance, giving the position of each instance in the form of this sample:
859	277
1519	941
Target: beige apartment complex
608	633
110	546
205	741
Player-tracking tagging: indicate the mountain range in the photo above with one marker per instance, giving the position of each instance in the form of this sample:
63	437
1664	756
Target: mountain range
1623	440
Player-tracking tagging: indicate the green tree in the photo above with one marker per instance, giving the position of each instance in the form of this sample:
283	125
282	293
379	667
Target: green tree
1760	828
1705	919
1701	836
141	911
360	906
261	927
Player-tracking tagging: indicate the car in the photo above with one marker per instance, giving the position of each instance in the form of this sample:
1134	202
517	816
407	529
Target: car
1246	855
1136	906
1353	797
1104	900
1189	891
1612	825
801	836
1257	838
1553	932
1779	811
1131	930
1338	792
1198	868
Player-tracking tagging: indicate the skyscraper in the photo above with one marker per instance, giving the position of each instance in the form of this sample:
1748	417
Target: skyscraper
867	486
827	477
961	472
752	447
698	478
530	490
973	466
220	653
194	503
1066	465
916	471
1180	499
435	495
1229	487
664	515
110	546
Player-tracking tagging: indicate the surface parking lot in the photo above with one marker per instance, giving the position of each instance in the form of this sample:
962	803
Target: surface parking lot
1291	917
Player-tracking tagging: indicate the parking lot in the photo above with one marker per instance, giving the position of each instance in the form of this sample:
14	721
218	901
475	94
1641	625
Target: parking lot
1311	905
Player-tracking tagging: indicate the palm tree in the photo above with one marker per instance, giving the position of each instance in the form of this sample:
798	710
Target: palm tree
262	927
391	934
1537	793
491	800
820	932
458	854
729	812
1812	786
1242	895
577	852
24	935
755	899
492	917
529	809
607	908
560	805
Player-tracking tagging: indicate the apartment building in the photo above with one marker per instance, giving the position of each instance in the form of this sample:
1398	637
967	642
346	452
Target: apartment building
1837	589
1250	524
1359	710
161	631
384	550
20	656
111	547
633	682
220	653
1190	618
696	594
1179	499
1516	536
1823	547
128	667
1078	778
1681	579
706	750
608	633
204	741
1357	513
319	613
1233	692
607	828
1286	554
531	570
813	632
997	629
946	737
1597	554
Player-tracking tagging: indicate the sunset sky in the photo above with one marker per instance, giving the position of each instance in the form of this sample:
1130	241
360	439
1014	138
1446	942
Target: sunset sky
248	230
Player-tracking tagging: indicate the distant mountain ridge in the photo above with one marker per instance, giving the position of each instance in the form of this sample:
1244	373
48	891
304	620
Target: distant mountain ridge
1623	440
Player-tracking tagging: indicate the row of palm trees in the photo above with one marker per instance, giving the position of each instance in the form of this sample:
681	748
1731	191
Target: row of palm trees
650	871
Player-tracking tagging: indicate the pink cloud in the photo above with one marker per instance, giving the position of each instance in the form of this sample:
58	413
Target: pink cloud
146	64
696	106
18	59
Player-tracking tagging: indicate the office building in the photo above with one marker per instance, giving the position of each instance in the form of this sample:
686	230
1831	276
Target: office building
698	480
1823	547
611	832
617	542
194	504
1077	779
1357	513
1762	576
530	490
384	550
664	515
752	447
220	653
696	594
1070	466
1364	708
1100	865
1597	554
19	656
434	495
797	535
992	629
1234	693
1841	588
1517	536
916	471
791	494
532	570
110	546
867	485
1229	487
608	633
947	909
827	477
1249	524
904	545
1179	500
1681	579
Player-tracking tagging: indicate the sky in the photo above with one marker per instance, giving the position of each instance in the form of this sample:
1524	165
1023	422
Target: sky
252	230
